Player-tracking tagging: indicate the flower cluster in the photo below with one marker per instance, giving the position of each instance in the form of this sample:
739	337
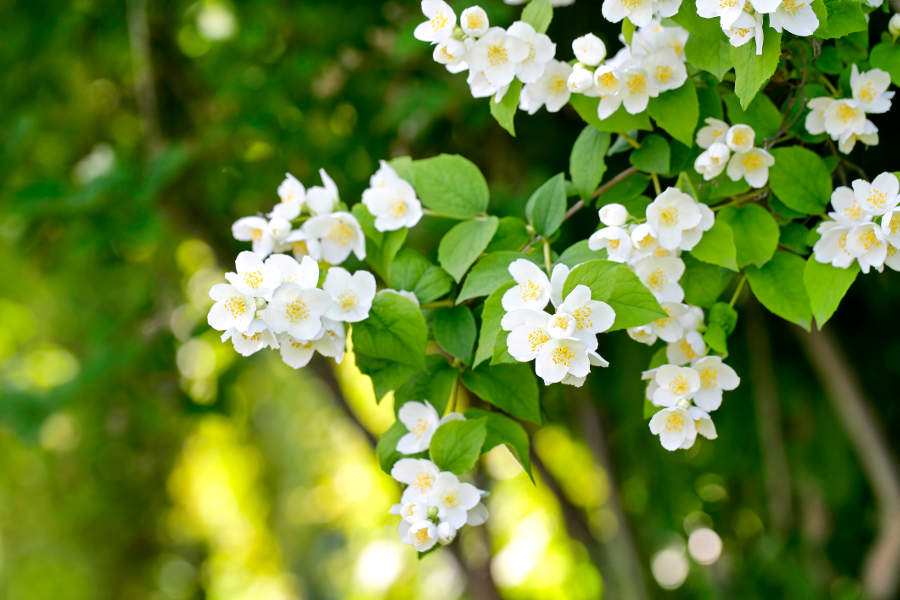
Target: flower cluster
854	233
742	20
434	505
639	12
652	64
719	141
845	119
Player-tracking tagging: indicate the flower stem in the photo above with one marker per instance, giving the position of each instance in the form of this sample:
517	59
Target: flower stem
438	304
633	142
547	262
600	190
656	185
737	292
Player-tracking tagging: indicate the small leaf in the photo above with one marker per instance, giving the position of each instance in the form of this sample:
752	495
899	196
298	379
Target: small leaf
887	58
844	17
778	285
435	282
503	430
505	110
386	449
413	272
386	375
717	246
755	233
653	155
435	385
547	206
454	331
587	163
627	30
826	286
620	120
752	71
512	234
800	179
702	282
538	14
676	112
395	330
463	244
456	445
451	185
761	114
720	324
511	388
491	316
488	274
615	284
712	56
578	253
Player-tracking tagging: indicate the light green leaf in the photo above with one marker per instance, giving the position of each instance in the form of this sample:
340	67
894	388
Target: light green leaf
491	315
618	121
386	449
403	166
395	330
762	115
386	375
627	30
454	331
435	385
503	430
676	112
435	282
456	445
887	58
717	246
488	274
413	272
778	285
688	18
653	155
367	223
381	258
844	17
800	179
702	282
511	388
587	163
755	233
547	206
538	14
464	243
578	253
752	71
512	234
720	324
505	110
615	284
826	286
501	353
451	185
713	56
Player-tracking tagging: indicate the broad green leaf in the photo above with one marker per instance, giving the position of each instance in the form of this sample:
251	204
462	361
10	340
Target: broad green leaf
386	375
451	185
676	112
501	355
653	155
464	243
547	206
503	430
702	282
538	14
367	223
413	272
844	17
793	237
578	253
454	331
435	385
762	115
826	286
505	110
717	246
587	163
512	234
488	274
618	121
511	388
395	330
386	449
435	282
712	56
800	179
720	324
615	284
491	316
778	285
456	445
403	166
599	275
381	258
752	71
886	57
755	233
625	191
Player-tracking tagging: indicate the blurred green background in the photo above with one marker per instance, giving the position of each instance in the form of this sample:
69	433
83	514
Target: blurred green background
141	460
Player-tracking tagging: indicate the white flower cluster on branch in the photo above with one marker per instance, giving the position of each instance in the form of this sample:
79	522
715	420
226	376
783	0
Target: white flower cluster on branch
747	162
742	20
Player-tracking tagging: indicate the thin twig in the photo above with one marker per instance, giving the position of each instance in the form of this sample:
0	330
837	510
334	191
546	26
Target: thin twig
600	190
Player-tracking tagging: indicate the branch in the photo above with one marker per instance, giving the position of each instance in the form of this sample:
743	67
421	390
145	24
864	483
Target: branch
600	190
142	69
325	372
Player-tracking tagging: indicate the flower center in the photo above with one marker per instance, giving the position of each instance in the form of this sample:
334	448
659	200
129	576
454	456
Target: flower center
348	300
868	239
790	6
439	21
708	378
663	73
397	209
451	499
739	138
300	248
608	80
257	234
563	355
422	535
846	114
497	55
475	21
679	386
305	346
253	279
613	244
867	92
556	85
669	216
752	163
529	290
235	306
657	279
894	225
674	423
537	339
687	349
297	311
422	482
877	198
636	84
340	234
854	211
419	428
583	318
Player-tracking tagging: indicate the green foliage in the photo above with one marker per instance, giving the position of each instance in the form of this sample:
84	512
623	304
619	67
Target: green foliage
386	374
721	323
587	163
512	234
488	274
505	110
538	14
808	193
713	56
395	331
490	324
752	71
386	450
702	282
413	272
456	445
454	330
653	156
844	17
451	185
463	244
755	233
620	120
547	206
778	285
615	284
578	253
511	388
503	430
761	114
886	57
826	286
435	384
717	246
677	112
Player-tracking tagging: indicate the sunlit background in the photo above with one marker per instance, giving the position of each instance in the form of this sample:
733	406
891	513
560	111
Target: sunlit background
144	459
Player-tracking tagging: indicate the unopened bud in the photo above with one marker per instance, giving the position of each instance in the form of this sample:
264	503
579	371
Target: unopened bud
682	403
446	533
580	81
613	215
894	25
432	512
589	49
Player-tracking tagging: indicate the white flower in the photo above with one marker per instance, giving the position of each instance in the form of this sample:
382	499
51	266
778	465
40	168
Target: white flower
527	333
265	235
421	420
674	426
869	137
322	200
643	237
870	89
453	499
541	51
669	329
560	357
394	206
613	215
894	25
797	16
892	259
474	21
590	316
306	272
890	226
607	80
715	376
638	88
440	23
666	69
675	383
595	360
452	54
423	535
645	334
686	350
478	515
446	533
482	88
844	117
832	246
301	245
661	276
581	81
746	28
703	423
847	210
879	196
297	353
712	161
418	474
351	295
497	55
292	195
740	138
231	309
254	278
691	237
415	511
815	120
752	165
712	132
550	89
727	11
558	277
656	37
639	12
589	50
297	310
337	235
533	289
257	337
670	214
867	244
616	240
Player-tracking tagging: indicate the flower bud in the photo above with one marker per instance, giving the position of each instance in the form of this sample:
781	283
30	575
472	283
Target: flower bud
682	403
474	21
458	32
432	512
894	25
613	215
580	81
446	533
589	49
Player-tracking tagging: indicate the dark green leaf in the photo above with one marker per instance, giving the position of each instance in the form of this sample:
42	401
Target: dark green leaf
793	237
395	330
625	191
503	430
511	235
778	285
800	179
702	282
435	385
511	388
752	71
887	58
755	233
713	56
451	185
676	112
454	331
463	244
653	155
720	324
762	115
386	375
413	272
826	286
618	121
547	206
456	445
490	324
587	163
717	246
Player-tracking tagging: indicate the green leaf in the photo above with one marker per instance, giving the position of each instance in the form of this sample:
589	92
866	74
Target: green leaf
451	185
717	246
395	330
547	206
712	56
435	385
511	388
752	71
386	449
538	14
685	184
615	284
652	156
887	58
505	110
676	112
625	191
413	272
793	237
464	243
778	285
512	234
762	115
688	18
456	445
435	282
720	324
800	179
491	315
403	166
578	253
367	223
844	17
501	353
710	103
755	233
381	258
620	120
454	331
627	30
488	274
822	14
503	430
702	282
726	187
587	163
826	286
386	375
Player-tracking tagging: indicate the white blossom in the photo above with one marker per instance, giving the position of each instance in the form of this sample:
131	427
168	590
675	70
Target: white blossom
497	55
541	51
870	89
831	248
560	357
686	350
231	309
715	376
844	117
351	295
590	316
712	161
711	133
297	310
446	533
867	244
847	209
639	12
301	245
453	499
421	420
616	241
675	383
815	120
727	11
549	90
296	353
423	535
532	290
337	234
440	23
752	165
879	196
558	277
670	214
393	205
797	16
869	137
253	277
613	215
292	195
666	69
691	237
323	199
740	138
674	426
419	474
661	276
257	337
474	21
581	81
607	80
264	235
527	333
638	88
306	272
452	54
890	226
589	50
